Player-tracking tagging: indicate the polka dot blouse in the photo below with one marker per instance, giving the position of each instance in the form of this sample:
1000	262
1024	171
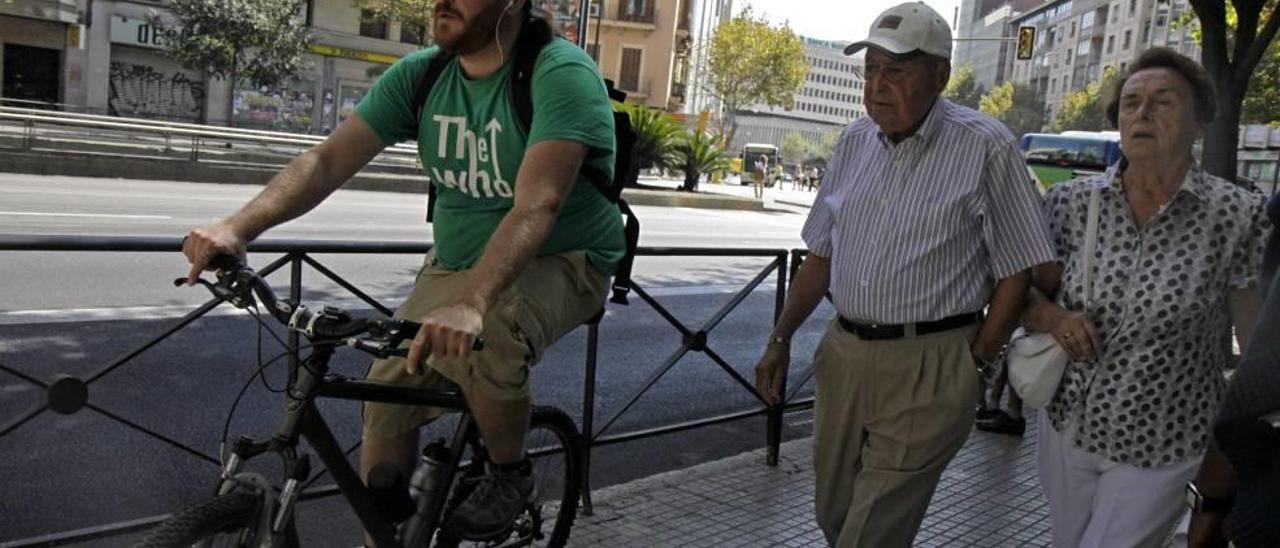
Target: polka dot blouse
1160	304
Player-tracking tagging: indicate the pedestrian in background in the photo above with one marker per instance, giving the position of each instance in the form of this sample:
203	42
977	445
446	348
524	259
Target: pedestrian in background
1178	253
1248	431
926	218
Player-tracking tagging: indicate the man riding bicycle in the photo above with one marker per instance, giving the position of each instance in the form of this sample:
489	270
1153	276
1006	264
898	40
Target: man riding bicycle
517	263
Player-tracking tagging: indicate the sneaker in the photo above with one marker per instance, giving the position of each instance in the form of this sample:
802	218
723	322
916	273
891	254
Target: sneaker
496	500
1003	423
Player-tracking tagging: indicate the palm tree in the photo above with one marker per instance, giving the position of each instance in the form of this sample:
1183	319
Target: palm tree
700	154
658	135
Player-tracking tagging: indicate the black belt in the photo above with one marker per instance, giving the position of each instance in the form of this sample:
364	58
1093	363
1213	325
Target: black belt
874	331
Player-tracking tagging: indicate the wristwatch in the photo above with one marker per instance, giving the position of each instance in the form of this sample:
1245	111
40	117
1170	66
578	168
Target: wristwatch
778	339
1200	503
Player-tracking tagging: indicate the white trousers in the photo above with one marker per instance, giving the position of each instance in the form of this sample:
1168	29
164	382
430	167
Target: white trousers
1097	503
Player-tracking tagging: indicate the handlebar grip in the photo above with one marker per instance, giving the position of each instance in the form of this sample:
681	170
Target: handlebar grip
223	261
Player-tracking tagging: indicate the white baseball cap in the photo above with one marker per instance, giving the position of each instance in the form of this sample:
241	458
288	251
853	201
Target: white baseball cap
905	28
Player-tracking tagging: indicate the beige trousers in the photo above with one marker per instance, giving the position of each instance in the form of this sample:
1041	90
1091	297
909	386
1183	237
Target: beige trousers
889	416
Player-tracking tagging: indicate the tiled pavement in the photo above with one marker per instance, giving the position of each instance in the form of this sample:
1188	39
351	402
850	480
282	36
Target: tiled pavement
989	496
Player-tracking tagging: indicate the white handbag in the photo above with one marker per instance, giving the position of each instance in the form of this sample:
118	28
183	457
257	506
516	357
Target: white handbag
1036	360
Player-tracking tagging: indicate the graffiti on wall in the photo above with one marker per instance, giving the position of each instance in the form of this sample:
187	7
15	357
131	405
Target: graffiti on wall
144	92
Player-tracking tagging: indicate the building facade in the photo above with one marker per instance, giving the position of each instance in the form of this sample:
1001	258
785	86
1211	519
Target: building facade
130	75
644	46
705	17
983	31
830	98
40	50
1078	41
109	60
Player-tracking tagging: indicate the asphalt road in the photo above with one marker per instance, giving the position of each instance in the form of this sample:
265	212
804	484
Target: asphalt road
86	469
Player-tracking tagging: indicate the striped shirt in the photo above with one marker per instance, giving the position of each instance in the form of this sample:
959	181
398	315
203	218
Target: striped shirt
921	230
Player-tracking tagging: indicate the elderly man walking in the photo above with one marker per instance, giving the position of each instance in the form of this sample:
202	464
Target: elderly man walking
925	219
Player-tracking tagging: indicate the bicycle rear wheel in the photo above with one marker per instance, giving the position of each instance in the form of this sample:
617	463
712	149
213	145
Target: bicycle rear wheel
553	445
225	520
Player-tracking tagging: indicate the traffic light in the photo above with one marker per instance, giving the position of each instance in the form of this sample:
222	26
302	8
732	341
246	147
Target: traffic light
1026	42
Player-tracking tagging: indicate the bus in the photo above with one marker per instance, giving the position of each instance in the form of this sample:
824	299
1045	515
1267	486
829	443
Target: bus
752	152
1053	158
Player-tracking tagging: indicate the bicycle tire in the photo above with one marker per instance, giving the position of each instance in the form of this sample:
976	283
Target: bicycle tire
206	520
552	424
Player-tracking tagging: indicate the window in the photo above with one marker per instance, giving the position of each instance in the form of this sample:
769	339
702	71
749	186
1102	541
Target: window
1086	21
1123	65
373	26
1068	57
1128	38
1133	7
1111	44
413	34
629	76
1115	12
1073	30
1162	19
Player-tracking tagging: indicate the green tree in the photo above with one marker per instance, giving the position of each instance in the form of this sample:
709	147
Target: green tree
820	153
963	88
261	41
1019	106
698	154
752	63
794	148
1233	41
658	136
1085	110
412	12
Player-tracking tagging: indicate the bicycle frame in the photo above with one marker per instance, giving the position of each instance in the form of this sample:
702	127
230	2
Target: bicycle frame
303	420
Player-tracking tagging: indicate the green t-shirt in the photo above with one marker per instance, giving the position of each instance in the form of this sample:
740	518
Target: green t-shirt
471	144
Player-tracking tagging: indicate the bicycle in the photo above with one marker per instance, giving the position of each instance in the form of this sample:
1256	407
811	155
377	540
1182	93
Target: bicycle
248	510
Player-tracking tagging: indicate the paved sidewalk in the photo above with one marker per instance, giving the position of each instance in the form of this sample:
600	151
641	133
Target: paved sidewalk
989	496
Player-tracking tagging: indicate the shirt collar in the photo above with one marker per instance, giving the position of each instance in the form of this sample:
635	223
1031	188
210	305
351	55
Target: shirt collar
1194	183
927	130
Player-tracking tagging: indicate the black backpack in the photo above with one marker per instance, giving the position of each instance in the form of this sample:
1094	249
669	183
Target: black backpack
530	43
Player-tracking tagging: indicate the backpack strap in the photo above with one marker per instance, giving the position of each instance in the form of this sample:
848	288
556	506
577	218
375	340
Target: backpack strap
631	232
426	82
528	46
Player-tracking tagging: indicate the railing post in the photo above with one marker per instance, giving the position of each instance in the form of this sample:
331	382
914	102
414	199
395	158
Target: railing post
774	417
589	413
195	148
29	138
295	297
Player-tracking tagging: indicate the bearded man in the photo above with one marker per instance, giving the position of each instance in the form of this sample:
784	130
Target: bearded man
516	263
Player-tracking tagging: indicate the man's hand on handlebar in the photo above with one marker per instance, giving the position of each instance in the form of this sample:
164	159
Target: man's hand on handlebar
448	332
203	244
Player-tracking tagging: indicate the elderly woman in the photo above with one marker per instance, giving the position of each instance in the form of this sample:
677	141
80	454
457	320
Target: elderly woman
1175	266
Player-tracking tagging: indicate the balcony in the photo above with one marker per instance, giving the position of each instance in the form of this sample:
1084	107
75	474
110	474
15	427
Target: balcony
633	11
635	86
677	90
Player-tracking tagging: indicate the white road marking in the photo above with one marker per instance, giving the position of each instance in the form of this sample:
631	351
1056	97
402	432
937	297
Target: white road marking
95	215
126	313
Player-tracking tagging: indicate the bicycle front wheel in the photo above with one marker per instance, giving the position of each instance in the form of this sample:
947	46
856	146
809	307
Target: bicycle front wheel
554	446
225	520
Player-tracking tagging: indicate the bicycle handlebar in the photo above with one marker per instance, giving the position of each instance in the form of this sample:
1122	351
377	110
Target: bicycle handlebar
238	284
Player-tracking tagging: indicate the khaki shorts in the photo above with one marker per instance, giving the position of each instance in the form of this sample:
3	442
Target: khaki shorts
554	295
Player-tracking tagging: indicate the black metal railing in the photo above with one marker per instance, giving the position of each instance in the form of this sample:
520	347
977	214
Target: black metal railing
68	394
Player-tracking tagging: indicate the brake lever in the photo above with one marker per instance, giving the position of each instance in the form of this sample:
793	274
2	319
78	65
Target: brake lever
224	293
